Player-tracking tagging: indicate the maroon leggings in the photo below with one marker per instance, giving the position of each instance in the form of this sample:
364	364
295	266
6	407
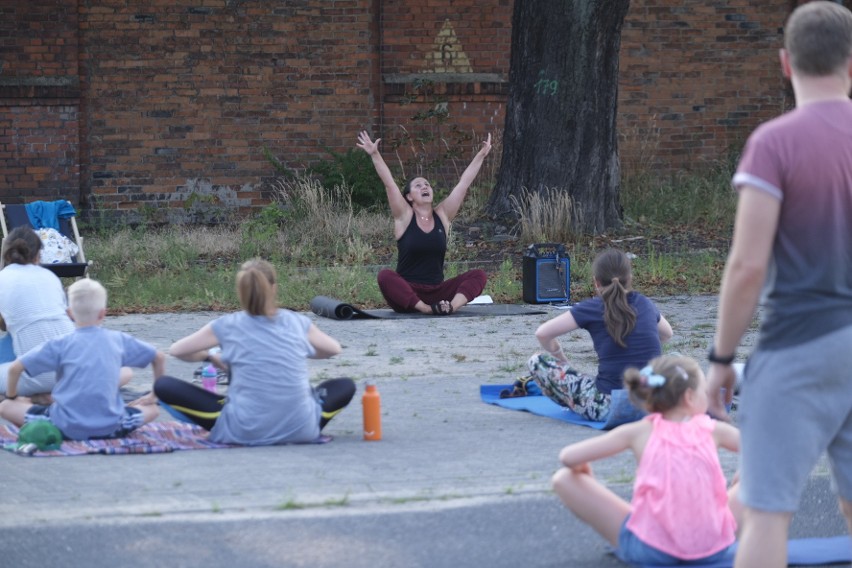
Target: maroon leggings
402	295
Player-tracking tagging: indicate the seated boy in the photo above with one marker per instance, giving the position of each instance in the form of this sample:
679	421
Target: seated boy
88	361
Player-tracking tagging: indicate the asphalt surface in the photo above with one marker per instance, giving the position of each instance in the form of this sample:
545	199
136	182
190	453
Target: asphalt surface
454	482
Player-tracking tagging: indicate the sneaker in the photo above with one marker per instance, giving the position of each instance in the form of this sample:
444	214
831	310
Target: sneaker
524	386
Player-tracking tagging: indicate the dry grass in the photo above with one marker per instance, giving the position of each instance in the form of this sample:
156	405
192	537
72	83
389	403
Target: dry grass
548	216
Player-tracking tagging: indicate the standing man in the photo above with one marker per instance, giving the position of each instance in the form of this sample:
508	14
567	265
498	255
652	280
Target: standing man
793	238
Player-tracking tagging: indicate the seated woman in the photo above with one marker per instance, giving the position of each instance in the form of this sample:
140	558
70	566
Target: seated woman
32	307
420	231
269	400
627	331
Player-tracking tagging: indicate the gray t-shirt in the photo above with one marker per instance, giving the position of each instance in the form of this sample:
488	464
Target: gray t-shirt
270	400
804	159
87	402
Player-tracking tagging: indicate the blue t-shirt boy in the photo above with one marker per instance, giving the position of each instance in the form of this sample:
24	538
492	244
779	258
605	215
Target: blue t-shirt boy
87	402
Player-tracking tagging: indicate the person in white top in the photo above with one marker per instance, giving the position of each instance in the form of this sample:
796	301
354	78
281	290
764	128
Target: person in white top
33	309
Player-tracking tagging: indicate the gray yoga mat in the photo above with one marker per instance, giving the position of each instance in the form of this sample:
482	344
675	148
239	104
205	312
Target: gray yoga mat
335	309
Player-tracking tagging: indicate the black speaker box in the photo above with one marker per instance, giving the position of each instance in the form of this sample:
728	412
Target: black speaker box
546	274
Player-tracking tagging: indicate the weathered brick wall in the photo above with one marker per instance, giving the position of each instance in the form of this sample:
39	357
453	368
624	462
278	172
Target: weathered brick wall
169	103
696	77
182	97
39	101
445	68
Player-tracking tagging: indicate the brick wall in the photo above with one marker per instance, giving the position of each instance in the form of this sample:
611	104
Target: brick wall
447	64
696	77
39	101
121	104
183	97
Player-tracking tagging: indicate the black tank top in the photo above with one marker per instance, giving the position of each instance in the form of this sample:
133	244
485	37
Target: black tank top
420	255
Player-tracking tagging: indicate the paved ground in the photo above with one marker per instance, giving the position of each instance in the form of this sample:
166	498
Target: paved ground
455	482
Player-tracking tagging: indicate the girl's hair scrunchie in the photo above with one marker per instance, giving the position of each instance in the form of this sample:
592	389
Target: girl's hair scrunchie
652	379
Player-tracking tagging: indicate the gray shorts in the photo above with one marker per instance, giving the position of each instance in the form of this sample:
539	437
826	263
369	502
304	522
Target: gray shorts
796	403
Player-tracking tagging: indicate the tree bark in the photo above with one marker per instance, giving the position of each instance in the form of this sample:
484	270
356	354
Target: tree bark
560	128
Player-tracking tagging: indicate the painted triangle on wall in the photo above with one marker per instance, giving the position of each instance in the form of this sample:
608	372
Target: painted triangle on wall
448	56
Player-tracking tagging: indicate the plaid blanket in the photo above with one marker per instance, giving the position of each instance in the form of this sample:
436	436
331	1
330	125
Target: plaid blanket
152	438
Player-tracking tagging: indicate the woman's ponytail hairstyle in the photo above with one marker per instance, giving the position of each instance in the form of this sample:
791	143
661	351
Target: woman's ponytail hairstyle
256	287
660	386
22	246
614	276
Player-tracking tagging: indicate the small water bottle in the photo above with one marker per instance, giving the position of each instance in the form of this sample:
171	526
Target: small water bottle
372	403
208	378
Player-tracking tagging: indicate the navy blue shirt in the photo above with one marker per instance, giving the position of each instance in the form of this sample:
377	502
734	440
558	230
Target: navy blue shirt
642	344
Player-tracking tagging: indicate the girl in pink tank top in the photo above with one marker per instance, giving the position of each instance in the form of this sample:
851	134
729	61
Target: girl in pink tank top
681	509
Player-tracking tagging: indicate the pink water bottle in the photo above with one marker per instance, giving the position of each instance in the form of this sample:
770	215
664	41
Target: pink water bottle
208	378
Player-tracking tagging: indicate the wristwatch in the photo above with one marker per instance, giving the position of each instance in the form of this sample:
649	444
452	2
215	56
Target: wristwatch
713	358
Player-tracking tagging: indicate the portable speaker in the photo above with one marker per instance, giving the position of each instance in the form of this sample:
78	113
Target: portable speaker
546	274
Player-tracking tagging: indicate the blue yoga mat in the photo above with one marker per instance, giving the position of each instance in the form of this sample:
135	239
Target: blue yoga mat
800	551
622	411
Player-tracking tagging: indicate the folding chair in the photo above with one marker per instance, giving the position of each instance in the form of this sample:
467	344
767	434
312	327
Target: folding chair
17	216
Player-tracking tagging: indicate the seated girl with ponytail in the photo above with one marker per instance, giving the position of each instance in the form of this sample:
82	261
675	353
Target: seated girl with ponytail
270	399
627	330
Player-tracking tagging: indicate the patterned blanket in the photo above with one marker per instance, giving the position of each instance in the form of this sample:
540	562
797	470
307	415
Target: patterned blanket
152	438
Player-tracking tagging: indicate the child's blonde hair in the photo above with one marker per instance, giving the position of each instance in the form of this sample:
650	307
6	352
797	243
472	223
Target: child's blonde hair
660	386
86	299
256	287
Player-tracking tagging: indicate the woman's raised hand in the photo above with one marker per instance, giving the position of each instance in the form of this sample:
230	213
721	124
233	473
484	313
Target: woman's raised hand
371	147
486	146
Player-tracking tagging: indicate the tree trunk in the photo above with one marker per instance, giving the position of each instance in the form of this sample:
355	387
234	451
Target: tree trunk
560	117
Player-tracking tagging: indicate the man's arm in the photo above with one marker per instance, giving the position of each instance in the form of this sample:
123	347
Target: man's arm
745	272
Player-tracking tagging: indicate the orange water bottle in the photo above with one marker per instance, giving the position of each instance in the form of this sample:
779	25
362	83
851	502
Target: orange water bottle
372	403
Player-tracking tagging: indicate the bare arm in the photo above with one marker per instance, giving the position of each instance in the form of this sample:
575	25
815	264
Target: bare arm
399	207
727	436
745	272
664	328
453	202
158	365
548	333
325	345
625	437
194	347
13	376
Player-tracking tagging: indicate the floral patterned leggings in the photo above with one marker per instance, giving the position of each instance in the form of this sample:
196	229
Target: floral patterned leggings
568	387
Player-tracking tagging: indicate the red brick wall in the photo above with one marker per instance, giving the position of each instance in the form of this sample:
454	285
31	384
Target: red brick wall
696	77
460	47
167	102
183	96
39	101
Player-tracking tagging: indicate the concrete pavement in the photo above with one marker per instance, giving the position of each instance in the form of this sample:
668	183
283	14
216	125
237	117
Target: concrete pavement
448	463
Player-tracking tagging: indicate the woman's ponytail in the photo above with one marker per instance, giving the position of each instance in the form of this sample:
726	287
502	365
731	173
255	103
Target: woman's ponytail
256	287
614	276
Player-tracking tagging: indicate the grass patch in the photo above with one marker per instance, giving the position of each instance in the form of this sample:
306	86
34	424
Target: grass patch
678	228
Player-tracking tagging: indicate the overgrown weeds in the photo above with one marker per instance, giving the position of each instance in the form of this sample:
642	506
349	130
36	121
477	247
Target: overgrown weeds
546	217
703	198
322	243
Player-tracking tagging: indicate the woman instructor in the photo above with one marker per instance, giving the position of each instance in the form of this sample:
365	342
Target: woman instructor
420	231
